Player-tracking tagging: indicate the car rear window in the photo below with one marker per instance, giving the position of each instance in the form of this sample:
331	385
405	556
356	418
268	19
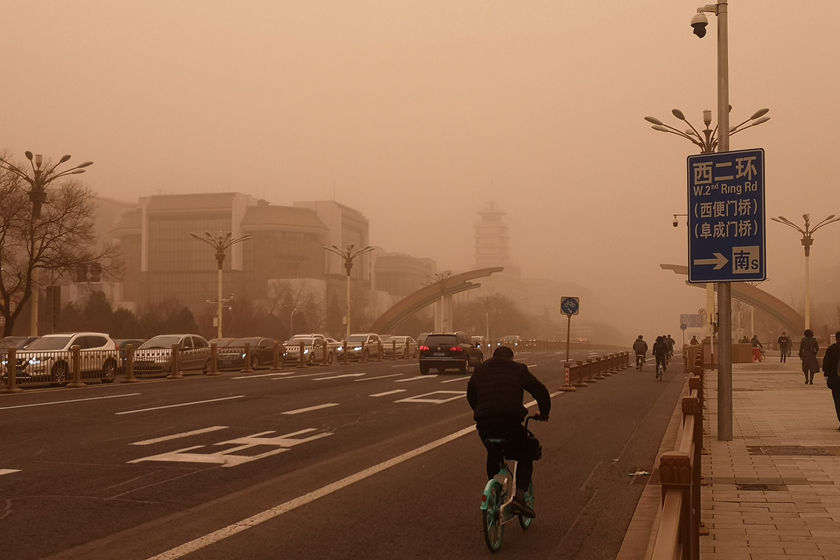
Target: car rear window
441	340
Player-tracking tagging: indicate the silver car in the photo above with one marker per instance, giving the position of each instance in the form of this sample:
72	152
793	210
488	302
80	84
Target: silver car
155	355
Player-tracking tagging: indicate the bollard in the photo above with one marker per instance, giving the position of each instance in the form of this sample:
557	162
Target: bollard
275	356
567	381
363	357
214	360
590	371
599	367
301	357
246	367
174	364
129	365
76	366
11	373
394	349
346	351
379	350
325	355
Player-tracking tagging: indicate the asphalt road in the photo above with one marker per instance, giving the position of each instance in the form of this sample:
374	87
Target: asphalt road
359	461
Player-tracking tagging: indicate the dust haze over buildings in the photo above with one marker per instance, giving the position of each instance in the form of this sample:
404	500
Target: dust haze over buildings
419	114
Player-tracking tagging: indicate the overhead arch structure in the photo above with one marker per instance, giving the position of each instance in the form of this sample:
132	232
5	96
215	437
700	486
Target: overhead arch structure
428	295
790	319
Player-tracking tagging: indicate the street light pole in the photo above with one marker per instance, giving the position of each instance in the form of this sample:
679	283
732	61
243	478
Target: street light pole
348	255
807	240
38	182
220	244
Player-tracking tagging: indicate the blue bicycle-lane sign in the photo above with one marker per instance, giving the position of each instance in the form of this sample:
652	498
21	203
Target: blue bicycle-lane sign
726	223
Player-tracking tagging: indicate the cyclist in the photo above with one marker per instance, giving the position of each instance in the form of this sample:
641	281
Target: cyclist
660	352
640	347
671	343
495	393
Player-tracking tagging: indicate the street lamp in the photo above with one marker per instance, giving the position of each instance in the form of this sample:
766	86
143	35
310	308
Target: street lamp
349	255
807	241
220	244
38	182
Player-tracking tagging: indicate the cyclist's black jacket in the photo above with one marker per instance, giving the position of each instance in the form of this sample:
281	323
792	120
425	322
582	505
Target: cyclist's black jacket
496	389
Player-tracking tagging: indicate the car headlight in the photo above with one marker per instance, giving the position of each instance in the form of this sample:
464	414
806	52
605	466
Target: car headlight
357	349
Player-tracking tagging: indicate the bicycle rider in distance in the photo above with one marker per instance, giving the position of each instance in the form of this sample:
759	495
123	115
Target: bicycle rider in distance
640	347
495	392
660	352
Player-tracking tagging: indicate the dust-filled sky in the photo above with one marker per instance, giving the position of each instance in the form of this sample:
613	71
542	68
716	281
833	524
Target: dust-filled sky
418	112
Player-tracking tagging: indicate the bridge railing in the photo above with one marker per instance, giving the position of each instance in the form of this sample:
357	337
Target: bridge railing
678	531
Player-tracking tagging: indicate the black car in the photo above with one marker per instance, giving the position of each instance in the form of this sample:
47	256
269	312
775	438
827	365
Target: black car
442	351
232	356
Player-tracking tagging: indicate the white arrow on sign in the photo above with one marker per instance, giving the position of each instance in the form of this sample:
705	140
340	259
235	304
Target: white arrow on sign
719	261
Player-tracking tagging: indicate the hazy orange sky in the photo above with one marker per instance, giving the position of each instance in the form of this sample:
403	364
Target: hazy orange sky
416	113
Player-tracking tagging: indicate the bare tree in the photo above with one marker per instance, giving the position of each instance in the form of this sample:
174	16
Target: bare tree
60	241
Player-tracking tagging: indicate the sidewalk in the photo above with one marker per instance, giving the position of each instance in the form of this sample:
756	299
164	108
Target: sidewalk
774	490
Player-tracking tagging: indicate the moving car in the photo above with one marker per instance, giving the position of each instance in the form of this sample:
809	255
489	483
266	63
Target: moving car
49	358
232	356
442	351
155	355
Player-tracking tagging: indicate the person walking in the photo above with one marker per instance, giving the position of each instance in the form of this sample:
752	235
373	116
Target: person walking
808	350
831	362
784	347
756	348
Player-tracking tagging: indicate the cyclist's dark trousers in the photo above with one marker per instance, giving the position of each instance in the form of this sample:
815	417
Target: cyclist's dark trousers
516	448
660	360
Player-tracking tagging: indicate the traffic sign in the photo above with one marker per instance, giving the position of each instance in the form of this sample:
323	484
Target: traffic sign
570	305
691	320
726	225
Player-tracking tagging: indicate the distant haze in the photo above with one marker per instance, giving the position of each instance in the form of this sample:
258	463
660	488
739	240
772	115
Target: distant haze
416	113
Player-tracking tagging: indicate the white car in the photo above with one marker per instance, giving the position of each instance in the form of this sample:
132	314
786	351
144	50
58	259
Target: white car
49	358
313	349
155	355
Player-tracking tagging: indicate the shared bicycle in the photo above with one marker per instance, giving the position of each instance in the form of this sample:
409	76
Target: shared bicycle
497	509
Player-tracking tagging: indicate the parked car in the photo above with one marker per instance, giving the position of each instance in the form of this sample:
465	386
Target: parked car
442	351
232	356
16	342
336	346
363	346
511	341
313	349
480	342
399	346
155	355
49	358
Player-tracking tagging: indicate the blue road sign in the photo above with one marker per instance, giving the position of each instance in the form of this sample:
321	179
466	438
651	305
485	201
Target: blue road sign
726	225
570	305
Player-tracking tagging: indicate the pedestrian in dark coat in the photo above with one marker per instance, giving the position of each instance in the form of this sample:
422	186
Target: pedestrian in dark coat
808	350
784	346
831	362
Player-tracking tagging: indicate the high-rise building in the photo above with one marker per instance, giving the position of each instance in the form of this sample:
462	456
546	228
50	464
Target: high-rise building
491	238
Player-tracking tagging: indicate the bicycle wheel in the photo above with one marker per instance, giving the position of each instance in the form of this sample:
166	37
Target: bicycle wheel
494	530
525	522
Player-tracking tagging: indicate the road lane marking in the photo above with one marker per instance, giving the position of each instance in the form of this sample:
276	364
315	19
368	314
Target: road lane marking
386	393
456	379
8	471
178	405
446	396
297	376
181	435
405	365
277	511
340	376
69	401
275	374
415	378
379	377
311	408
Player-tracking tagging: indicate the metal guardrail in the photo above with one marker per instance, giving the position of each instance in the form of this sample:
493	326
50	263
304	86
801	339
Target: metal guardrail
678	532
22	368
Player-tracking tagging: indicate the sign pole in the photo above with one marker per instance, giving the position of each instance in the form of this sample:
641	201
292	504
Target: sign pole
568	335
569	306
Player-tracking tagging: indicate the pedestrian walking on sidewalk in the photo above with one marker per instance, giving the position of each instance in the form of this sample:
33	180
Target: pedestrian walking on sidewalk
756	348
784	347
808	350
831	362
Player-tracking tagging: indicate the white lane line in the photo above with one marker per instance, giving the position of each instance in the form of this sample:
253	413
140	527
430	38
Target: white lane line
277	511
178	405
340	376
415	378
379	377
456	379
394	392
73	400
298	376
181	435
275	374
311	408
8	471
405	365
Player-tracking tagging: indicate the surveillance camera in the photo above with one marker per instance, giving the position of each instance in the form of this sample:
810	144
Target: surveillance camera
676	223
699	23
